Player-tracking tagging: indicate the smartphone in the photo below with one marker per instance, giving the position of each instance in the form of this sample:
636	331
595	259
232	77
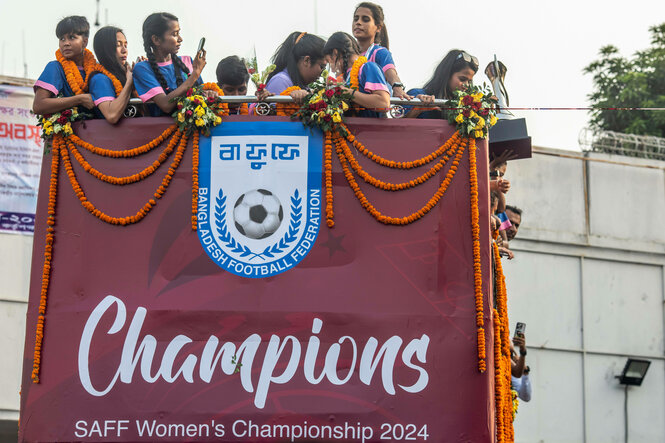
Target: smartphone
520	328
201	43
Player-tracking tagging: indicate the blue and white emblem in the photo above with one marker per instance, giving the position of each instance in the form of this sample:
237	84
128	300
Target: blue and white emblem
259	205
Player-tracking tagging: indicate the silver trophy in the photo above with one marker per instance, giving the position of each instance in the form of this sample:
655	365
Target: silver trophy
496	72
509	133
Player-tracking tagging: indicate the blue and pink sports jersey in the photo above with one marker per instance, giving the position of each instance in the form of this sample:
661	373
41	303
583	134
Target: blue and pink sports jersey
101	88
370	78
146	84
381	56
53	79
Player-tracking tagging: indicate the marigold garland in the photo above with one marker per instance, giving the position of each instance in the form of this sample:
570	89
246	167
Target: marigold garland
499	380
502	353
126	153
454	139
477	266
117	86
287	109
48	256
195	179
72	73
397	220
148	171
327	166
214	87
146	207
355	72
396	186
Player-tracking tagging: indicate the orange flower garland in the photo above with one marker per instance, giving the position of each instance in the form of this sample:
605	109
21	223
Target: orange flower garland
214	87
131	178
48	255
72	73
477	267
397	220
327	166
127	152
287	109
60	150
144	210
117	86
399	186
499	380
195	178
355	72
400	165
502	354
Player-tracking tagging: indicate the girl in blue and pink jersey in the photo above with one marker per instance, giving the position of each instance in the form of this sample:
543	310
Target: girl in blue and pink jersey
111	49
370	30
53	93
165	75
343	52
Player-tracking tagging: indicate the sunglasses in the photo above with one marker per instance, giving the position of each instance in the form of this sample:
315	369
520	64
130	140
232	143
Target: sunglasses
468	58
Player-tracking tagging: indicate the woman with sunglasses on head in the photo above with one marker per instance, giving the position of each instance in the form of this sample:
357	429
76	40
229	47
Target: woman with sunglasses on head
370	31
111	83
455	71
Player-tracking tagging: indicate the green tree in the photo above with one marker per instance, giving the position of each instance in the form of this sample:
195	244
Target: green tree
637	82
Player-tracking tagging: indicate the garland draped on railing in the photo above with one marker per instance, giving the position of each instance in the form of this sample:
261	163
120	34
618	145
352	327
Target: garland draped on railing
446	159
62	148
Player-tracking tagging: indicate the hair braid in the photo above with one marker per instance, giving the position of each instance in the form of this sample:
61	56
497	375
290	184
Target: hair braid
155	68
178	67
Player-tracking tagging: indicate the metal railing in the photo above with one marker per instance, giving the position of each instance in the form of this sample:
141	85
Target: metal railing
397	105
288	99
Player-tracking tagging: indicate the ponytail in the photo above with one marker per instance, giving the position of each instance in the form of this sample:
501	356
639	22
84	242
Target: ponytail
296	46
381	38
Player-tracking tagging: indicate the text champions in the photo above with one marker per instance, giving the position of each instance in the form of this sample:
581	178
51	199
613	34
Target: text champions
139	352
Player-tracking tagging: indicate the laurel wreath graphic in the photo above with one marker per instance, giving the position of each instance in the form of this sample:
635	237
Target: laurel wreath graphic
232	244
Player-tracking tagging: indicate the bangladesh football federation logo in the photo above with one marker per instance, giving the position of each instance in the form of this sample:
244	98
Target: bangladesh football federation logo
259	205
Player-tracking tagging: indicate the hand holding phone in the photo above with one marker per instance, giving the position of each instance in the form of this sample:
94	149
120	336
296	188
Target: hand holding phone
520	329
202	42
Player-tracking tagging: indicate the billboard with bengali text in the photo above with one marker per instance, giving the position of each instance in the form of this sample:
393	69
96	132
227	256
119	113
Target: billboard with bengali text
264	324
21	152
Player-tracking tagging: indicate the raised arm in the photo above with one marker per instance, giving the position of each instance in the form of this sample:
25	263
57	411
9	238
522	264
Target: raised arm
114	109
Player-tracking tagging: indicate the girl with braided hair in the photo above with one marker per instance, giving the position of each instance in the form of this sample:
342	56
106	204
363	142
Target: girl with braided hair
369	29
165	75
368	85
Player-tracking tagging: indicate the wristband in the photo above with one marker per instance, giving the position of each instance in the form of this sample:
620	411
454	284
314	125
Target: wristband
522	354
398	85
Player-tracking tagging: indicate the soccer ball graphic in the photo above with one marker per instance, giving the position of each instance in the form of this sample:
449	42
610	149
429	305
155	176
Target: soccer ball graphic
258	214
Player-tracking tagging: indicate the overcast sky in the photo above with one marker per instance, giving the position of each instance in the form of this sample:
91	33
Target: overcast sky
544	44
